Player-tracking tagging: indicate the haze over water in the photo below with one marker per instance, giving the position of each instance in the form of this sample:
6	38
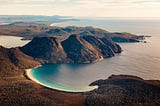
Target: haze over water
136	26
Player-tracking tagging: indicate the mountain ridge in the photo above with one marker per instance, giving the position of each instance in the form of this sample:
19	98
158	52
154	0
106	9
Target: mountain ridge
75	49
29	30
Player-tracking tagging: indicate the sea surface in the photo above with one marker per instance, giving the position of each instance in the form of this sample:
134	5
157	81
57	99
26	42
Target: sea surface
12	41
139	59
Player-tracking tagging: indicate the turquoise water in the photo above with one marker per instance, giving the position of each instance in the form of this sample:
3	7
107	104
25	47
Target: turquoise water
52	76
139	59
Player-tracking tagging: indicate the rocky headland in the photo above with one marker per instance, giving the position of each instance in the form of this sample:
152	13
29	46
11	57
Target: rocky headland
74	49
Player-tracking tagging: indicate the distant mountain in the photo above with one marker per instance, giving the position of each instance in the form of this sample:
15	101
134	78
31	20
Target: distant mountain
29	30
35	18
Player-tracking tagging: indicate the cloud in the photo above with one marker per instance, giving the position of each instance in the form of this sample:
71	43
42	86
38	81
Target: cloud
146	1
76	2
81	7
116	1
33	2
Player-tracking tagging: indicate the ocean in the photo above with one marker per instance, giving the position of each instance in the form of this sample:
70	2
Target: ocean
138	59
12	41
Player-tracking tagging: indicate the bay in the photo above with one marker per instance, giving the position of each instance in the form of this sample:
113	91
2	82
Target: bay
138	59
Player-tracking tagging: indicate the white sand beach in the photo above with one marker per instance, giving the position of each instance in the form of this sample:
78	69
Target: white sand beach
84	89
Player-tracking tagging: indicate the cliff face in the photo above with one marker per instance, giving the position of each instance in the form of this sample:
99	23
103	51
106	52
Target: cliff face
46	49
13	59
123	90
114	46
79	50
106	46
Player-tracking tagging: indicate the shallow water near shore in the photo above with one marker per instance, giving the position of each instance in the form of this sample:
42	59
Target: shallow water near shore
136	59
49	83
139	59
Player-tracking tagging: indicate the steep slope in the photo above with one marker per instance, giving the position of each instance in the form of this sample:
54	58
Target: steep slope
75	49
107	47
115	47
45	49
17	90
79	50
13	59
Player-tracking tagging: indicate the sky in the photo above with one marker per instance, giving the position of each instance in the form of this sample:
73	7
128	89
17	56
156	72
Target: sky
82	8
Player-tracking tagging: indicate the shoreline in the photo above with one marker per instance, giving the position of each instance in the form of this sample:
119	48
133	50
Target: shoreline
30	76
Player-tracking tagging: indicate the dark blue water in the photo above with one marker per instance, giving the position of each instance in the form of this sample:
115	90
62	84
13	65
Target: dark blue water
140	59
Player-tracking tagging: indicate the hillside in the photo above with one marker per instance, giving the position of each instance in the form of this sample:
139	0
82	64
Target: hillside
13	59
46	49
121	90
29	30
75	49
16	89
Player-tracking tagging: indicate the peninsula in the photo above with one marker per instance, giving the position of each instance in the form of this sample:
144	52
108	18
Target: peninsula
68	45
